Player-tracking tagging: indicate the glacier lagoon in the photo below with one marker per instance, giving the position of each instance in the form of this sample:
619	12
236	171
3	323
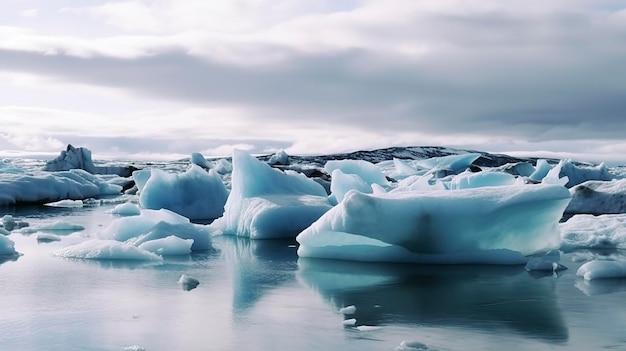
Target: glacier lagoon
258	295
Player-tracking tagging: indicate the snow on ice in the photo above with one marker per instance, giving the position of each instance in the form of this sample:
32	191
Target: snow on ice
267	203
598	197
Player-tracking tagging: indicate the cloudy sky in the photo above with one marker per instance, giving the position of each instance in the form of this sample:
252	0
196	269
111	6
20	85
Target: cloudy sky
163	78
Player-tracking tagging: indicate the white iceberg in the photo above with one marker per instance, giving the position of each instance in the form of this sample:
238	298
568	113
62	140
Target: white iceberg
482	225
267	203
594	232
342	183
198	235
168	246
367	171
279	158
126	209
47	187
199	160
195	194
80	158
125	228
97	249
602	269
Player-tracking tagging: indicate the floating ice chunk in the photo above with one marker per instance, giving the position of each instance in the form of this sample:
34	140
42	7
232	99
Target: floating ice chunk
349	322
541	171
554	176
188	283
80	158
348	310
468	180
61	225
46	238
7	247
106	250
199	160
279	158
415	226
598	269
419	183
594	232
548	262
598	197
8	221
195	194
402	169
342	183
267	203
199	235
48	187
141	178
126	209
4	231
411	346
367	171
126	228
222	166
455	163
169	246
66	203
368	328
580	174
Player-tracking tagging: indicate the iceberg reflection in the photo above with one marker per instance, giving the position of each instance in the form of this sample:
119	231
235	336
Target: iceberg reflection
488	298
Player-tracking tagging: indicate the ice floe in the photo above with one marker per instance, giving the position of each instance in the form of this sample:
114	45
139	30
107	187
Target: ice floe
97	249
602	269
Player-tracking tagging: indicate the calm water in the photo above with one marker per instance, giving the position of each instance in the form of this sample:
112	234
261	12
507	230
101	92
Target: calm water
257	295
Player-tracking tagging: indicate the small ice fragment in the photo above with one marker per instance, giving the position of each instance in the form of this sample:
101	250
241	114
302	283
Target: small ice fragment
126	209
4	231
548	262
411	346
349	322
46	238
65	203
348	310
187	282
366	328
598	269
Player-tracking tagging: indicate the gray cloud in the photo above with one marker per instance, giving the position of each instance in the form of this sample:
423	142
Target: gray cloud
537	77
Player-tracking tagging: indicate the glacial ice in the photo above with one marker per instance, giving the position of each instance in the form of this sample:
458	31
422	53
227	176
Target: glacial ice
80	158
541	170
46	238
279	158
126	209
267	203
348	310
480	225
580	174
125	228
342	183
195	194
187	282
47	187
168	246
97	249
367	171
468	180
199	160
548	262
55	226
198	234
594	232
7	247
602	269
454	163
598	197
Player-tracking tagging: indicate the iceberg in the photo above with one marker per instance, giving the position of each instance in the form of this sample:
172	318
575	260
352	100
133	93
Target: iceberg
198	235
267	203
342	183
598	269
594	232
168	246
279	158
541	171
195	194
126	209
97	249
80	158
126	228
580	174
454	163
468	180
480	225
199	160
598	197
7	247
367	171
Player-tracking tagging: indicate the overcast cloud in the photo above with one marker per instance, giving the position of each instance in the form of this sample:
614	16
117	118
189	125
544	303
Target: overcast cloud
140	78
